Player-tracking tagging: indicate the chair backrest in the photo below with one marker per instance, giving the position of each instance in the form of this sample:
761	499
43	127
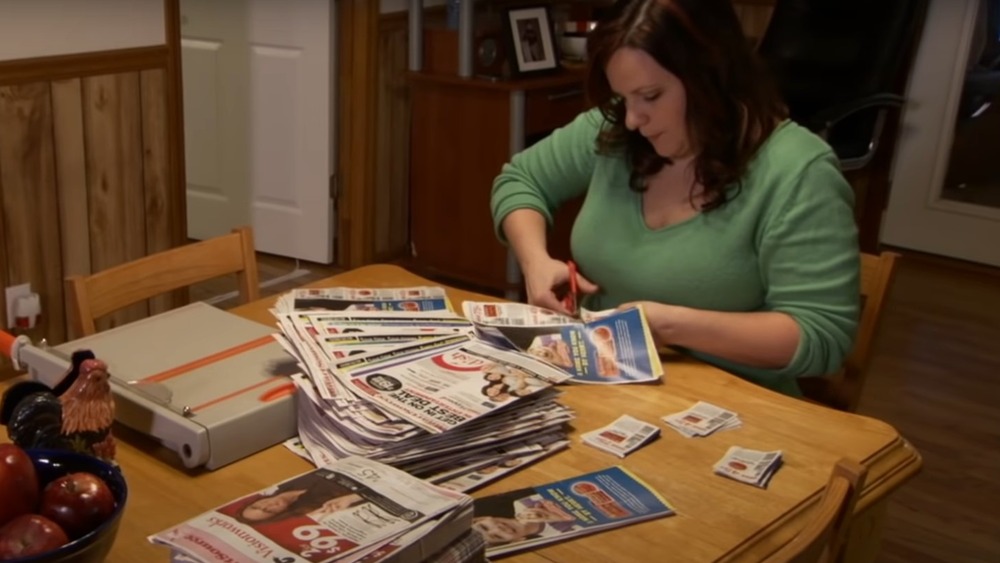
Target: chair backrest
822	540
830	53
843	390
94	296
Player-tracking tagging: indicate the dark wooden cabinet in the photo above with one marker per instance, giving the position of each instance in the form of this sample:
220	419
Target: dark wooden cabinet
462	132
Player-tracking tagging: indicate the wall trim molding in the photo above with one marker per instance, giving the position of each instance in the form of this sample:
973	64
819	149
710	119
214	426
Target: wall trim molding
175	126
357	108
57	67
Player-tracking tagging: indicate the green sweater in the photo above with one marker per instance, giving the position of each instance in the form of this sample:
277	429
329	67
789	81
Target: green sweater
787	242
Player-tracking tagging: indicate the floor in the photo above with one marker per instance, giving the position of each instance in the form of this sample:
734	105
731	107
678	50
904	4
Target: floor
935	376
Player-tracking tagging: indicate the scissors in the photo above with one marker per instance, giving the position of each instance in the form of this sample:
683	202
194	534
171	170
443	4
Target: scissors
570	301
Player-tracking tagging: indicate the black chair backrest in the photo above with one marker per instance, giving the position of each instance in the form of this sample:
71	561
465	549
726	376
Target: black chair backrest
826	53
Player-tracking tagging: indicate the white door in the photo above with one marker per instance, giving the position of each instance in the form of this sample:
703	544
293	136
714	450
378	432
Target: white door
945	195
259	133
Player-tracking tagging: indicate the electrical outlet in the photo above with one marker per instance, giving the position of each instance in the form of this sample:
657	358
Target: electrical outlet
14	293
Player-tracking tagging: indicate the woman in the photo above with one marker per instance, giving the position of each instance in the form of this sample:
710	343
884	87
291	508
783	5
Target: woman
313	494
515	382
729	224
517	516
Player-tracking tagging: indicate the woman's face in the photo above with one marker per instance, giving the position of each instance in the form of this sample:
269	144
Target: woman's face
543	352
655	101
497	530
496	390
535	514
342	502
266	507
547	511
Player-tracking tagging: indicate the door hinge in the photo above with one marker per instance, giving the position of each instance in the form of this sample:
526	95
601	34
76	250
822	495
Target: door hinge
334	188
413	249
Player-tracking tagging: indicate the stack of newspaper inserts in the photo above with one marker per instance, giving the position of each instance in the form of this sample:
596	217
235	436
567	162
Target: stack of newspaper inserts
395	375
354	510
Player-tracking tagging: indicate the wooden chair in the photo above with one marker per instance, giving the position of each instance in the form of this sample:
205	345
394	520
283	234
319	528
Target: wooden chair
822	540
94	296
843	389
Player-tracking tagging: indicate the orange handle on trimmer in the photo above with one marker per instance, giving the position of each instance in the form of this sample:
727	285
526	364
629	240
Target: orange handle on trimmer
7	343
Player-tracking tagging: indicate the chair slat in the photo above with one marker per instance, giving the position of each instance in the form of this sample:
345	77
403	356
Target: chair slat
92	297
823	537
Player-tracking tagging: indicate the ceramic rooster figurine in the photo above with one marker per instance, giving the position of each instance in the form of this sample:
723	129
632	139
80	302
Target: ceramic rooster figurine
76	415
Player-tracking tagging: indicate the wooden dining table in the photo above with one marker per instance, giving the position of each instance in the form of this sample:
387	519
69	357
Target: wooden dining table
717	519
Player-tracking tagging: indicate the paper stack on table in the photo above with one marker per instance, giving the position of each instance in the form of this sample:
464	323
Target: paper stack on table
623	436
749	466
703	419
396	376
355	510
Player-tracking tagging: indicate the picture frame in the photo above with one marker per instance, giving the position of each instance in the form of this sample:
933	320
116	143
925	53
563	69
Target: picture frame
531	41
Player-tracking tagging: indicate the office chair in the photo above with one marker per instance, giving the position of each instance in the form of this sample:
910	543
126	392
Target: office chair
97	295
842	65
822	540
842	390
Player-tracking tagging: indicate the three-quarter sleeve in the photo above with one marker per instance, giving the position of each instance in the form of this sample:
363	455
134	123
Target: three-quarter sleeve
810	261
548	173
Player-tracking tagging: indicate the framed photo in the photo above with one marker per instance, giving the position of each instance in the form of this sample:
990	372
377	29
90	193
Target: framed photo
533	46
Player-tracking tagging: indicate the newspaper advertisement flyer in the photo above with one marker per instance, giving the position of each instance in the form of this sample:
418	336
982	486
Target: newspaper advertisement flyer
410	299
451	387
334	513
544	514
493	467
611	347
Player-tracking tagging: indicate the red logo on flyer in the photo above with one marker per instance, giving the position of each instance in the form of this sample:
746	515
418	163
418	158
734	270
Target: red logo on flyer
459	361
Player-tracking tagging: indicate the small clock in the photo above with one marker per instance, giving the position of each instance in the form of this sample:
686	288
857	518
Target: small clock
488	55
487	52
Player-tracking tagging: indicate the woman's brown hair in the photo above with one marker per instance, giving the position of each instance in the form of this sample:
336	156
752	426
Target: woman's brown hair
732	105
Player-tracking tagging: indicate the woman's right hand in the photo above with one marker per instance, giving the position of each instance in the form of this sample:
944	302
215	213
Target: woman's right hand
544	277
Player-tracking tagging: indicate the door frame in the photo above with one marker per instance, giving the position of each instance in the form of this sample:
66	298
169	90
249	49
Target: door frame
356	111
177	173
356	103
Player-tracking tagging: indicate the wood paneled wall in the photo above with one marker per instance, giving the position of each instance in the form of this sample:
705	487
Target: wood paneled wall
85	179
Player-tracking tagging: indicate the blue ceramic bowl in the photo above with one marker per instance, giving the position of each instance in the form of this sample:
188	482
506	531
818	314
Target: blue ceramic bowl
95	545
